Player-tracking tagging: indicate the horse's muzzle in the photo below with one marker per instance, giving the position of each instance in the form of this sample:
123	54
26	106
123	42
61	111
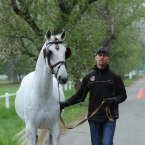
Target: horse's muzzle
62	80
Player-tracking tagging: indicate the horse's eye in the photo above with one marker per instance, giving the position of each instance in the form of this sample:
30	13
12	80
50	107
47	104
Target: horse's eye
49	53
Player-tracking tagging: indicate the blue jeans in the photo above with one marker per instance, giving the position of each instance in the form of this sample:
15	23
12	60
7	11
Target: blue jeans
102	133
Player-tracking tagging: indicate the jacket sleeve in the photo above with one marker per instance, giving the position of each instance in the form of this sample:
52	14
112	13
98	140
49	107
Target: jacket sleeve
80	94
120	95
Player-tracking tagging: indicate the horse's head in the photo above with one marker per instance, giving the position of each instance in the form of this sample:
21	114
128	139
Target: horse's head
55	55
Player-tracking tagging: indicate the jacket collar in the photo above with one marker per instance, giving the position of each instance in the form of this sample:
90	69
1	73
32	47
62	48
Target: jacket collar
101	70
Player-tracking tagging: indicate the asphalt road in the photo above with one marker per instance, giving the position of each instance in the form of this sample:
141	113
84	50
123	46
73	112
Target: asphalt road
130	128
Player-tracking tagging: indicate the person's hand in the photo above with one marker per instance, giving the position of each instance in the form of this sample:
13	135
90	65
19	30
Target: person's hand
64	104
109	101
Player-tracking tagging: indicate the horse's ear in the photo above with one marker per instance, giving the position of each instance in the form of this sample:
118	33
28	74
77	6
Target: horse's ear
48	34
63	35
68	53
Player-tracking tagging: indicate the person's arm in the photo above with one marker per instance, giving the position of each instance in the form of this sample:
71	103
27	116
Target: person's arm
120	95
78	97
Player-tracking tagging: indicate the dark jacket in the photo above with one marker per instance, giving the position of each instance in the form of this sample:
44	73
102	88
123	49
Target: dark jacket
101	84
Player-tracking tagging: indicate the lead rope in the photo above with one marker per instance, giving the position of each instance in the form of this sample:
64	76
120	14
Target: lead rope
59	99
107	110
58	93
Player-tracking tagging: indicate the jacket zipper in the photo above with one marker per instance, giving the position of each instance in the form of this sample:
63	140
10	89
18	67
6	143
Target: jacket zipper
101	90
100	75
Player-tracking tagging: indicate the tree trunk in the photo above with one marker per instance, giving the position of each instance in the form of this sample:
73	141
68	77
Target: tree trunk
12	73
77	85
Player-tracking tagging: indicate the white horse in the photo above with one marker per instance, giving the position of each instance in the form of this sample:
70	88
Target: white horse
37	100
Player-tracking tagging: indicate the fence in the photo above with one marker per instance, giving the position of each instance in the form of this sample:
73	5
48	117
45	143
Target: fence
68	85
131	74
6	96
140	72
3	77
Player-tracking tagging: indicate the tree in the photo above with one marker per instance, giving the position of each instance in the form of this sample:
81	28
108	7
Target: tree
122	32
90	24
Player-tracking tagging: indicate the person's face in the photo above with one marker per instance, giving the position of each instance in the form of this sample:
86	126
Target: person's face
102	59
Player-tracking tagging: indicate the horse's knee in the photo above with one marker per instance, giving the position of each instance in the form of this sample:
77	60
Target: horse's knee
31	136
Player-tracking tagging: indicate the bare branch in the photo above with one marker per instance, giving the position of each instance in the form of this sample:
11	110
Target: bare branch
91	1
25	51
108	41
65	7
27	17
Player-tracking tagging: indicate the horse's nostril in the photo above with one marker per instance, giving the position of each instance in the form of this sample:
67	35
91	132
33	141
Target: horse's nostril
59	78
64	81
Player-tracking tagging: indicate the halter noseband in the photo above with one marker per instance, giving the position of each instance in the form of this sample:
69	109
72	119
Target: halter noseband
56	42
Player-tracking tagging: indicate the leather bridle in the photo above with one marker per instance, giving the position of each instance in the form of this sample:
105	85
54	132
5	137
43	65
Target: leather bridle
47	54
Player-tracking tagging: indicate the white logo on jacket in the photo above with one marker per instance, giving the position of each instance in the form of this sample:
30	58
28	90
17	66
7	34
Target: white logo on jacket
92	78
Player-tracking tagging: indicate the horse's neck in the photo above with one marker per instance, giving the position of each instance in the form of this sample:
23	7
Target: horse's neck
43	77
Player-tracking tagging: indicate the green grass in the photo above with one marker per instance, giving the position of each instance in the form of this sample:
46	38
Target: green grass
128	82
11	124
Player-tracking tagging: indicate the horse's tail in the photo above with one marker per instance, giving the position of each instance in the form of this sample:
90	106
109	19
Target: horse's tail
22	139
42	135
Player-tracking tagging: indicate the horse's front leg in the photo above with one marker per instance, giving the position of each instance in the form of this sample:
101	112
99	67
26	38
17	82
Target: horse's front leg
31	132
55	132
